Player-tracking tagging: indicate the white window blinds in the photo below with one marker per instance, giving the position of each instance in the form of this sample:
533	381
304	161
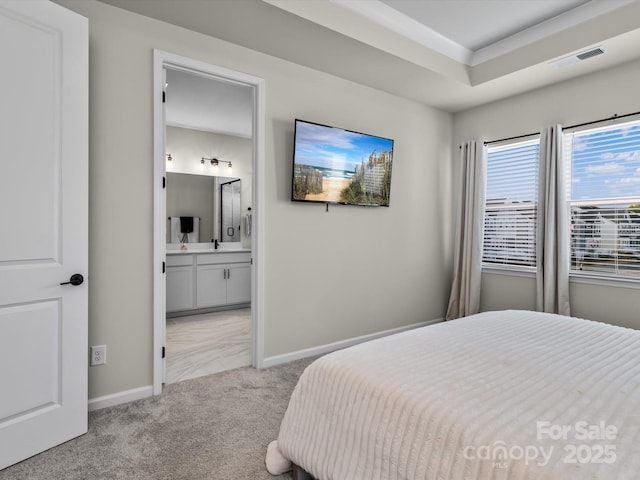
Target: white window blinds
510	215
603	166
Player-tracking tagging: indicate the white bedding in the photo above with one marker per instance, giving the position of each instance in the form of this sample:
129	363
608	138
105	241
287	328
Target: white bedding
439	402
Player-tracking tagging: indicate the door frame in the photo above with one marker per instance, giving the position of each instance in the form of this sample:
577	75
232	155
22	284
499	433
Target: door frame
161	60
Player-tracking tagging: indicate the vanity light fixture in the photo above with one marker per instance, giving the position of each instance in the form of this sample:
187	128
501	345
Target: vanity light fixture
229	167
214	161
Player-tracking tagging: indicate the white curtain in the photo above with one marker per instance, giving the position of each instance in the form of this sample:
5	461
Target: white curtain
465	289
552	243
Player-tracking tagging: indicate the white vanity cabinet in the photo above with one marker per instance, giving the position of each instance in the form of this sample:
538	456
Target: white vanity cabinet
207	280
223	279
180	278
239	283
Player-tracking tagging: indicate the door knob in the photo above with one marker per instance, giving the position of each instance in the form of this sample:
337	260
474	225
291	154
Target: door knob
75	280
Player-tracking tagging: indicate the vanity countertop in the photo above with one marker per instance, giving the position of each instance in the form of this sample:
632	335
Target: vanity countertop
194	250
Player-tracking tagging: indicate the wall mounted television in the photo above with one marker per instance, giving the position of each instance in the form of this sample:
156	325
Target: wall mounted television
333	165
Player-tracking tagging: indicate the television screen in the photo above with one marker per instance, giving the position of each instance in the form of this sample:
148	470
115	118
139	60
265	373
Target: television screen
333	165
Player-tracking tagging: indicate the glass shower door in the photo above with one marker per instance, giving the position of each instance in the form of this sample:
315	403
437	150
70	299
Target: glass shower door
230	211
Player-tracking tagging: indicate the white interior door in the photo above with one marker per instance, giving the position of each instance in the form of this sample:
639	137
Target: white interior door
43	227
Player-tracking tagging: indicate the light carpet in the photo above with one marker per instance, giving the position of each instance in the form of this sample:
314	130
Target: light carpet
215	427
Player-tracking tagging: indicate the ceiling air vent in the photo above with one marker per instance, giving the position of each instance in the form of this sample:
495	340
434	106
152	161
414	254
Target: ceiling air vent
577	58
591	53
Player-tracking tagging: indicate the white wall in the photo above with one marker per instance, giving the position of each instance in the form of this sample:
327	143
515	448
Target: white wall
586	98
329	276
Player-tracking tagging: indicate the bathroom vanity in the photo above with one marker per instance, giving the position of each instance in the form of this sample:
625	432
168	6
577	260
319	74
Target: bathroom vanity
202	278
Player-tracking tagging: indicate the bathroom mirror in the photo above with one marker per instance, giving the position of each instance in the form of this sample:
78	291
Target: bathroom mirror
213	200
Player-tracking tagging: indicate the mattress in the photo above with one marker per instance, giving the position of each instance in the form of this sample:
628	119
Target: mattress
498	395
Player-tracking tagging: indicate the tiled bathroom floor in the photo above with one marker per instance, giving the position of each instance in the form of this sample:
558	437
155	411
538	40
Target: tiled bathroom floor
207	343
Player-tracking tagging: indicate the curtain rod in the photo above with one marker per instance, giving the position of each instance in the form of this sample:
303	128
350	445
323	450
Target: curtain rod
614	117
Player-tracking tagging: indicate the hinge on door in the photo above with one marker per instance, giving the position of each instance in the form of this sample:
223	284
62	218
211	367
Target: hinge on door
163	352
164	97
164	182
163	267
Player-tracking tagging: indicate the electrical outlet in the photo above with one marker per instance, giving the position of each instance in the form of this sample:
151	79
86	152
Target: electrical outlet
98	355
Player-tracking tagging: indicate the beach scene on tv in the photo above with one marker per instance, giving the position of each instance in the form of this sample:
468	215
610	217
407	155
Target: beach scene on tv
336	165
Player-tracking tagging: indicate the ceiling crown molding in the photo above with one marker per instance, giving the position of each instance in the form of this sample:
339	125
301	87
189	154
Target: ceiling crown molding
390	18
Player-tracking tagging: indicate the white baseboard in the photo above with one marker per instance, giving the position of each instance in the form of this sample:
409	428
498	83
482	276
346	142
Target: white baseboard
120	397
145	392
330	347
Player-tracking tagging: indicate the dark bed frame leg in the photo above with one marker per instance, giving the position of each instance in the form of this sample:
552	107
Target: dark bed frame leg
300	474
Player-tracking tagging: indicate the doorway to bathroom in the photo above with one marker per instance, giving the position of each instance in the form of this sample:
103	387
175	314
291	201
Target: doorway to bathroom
209	149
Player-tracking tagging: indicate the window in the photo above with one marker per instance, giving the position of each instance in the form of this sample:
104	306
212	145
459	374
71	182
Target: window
603	170
510	213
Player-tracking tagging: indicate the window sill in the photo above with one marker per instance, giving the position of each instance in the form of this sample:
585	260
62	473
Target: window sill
588	279
510	270
606	280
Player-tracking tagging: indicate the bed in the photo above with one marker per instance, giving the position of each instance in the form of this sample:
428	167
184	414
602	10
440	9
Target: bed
494	396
